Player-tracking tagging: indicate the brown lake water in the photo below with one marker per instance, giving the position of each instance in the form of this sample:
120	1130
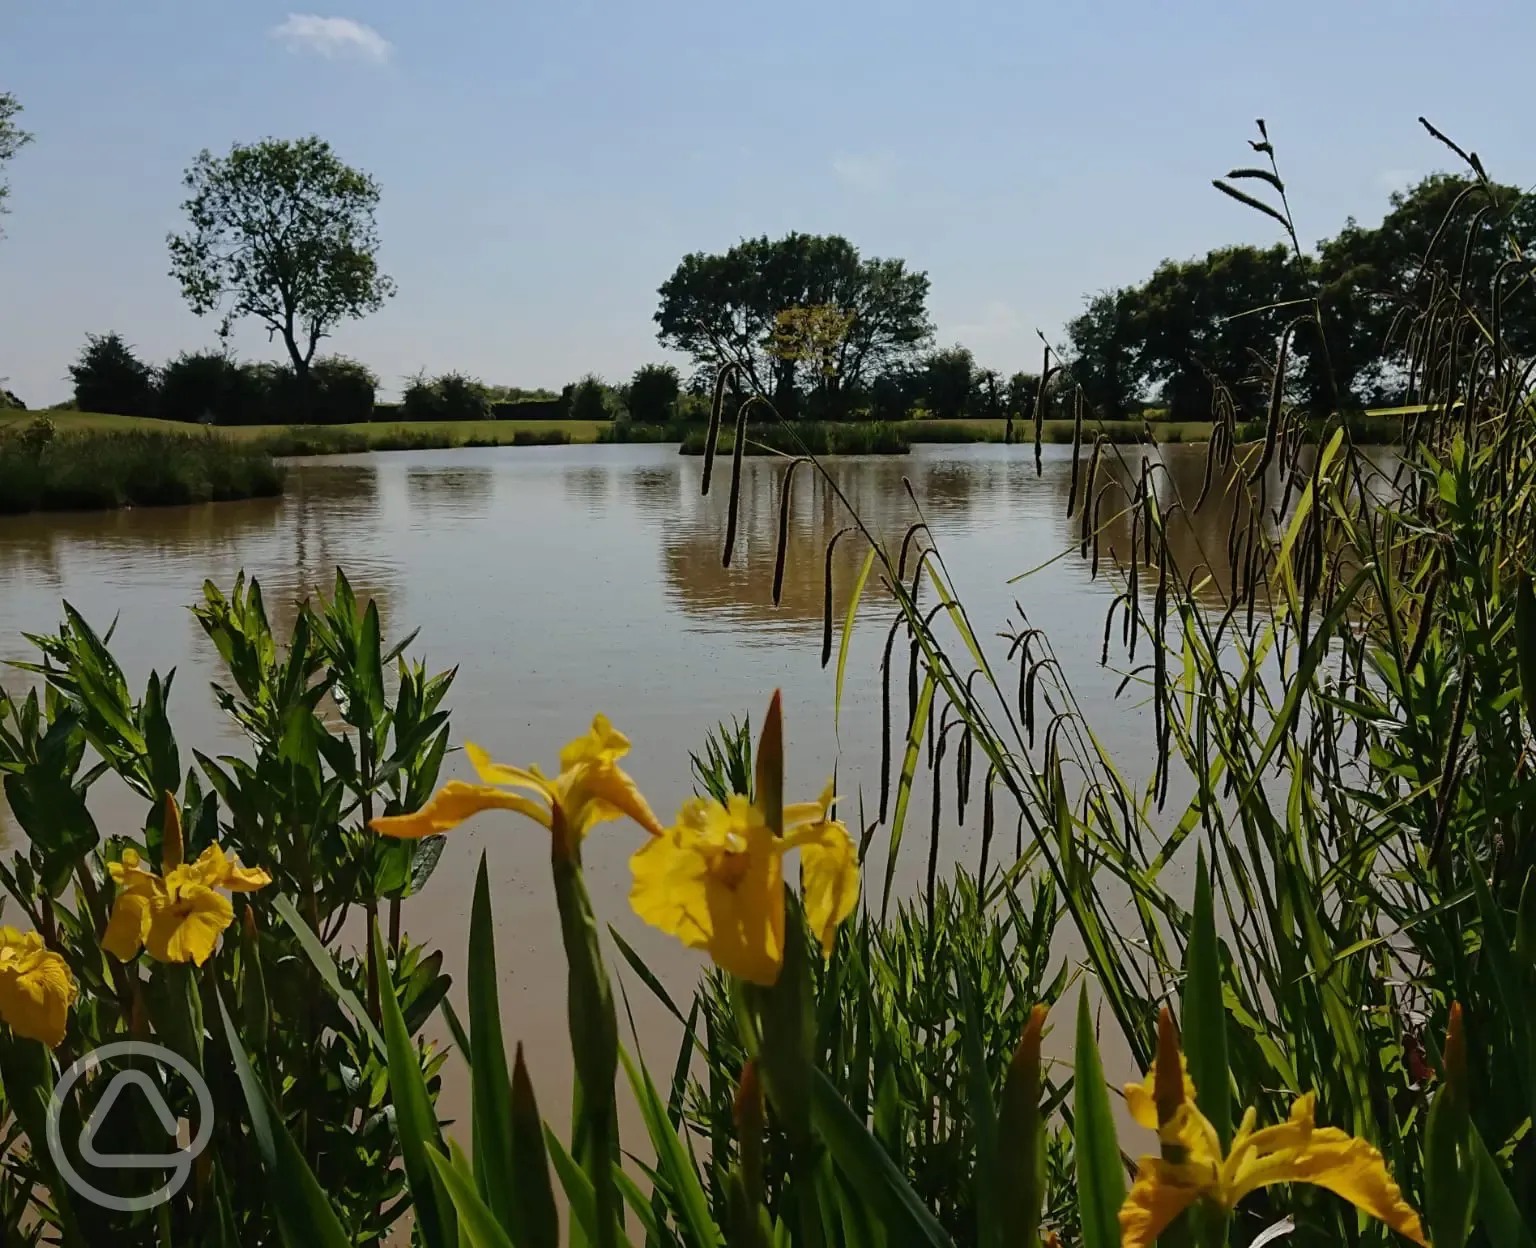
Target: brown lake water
567	580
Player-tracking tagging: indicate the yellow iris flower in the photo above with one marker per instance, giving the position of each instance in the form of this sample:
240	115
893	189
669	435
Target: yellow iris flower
178	917
1192	1166
715	880
36	987
590	789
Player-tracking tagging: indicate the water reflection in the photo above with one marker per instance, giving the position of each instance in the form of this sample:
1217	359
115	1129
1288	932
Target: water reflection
461	489
588	485
567	580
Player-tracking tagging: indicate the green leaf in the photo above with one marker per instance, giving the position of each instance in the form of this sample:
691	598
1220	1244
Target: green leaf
769	791
1021	1140
477	1224
842	646
1496	1208
415	1120
579	1193
594	1040
904	785
1204	1020
304	1216
987	1184
871	1173
537	1224
490	1086
1100	1179
1451	1172
320	956
689	1202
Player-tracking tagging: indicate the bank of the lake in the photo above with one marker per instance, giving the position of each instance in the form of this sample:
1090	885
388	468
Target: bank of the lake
42	469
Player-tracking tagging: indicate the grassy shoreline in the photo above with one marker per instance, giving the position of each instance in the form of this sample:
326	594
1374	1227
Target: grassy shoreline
853	437
44	470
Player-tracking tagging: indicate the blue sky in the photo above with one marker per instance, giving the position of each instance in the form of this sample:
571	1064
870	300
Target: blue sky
545	166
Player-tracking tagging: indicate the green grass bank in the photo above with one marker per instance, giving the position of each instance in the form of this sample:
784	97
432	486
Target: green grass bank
44	470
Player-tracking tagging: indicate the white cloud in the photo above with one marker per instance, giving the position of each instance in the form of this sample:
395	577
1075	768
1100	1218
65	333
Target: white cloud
333	38
862	173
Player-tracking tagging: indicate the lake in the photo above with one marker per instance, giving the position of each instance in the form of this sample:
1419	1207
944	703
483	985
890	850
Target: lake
567	580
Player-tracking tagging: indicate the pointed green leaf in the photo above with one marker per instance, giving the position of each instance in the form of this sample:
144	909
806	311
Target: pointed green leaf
537	1225
871	1173
415	1119
1100	1179
690	1204
477	1224
490	1087
1204	1020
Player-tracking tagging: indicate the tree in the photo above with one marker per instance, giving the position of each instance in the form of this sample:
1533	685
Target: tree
587	399
1216	319
282	231
1369	276
12	139
109	377
1105	359
946	381
726	307
451	396
1020	396
653	394
988	394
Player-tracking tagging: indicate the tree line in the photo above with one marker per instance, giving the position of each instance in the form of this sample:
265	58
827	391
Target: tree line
1215	320
213	387
284	233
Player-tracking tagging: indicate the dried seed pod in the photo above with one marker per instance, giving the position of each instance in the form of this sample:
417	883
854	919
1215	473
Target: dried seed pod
716	408
734	505
786	492
988	823
826	597
1077	449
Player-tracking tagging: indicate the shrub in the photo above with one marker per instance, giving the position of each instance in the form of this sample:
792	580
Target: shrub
109	377
541	437
9	402
653	393
588	399
208	387
342	390
451	396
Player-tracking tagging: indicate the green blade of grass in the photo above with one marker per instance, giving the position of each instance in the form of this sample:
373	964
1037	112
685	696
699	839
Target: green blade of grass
415	1121
489	1083
1100	1180
842	646
688	1199
326	965
477	1224
904	786
1204	1018
872	1174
